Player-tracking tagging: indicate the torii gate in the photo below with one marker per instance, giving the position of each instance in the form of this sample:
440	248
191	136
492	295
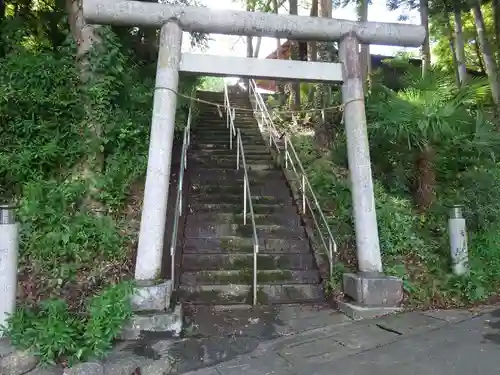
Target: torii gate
369	287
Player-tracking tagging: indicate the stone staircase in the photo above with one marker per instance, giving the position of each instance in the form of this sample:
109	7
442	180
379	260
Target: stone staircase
217	254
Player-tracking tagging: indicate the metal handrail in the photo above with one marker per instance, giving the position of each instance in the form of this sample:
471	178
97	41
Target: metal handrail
230	114
265	118
247	195
178	201
292	158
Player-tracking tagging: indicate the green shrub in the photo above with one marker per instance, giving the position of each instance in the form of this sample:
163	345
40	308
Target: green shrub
54	333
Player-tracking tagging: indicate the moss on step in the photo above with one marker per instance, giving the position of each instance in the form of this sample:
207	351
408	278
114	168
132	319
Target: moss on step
264	262
237	244
262	297
247	230
243	276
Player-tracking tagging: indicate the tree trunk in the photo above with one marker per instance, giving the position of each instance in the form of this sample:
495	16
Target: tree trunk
279	87
323	90
479	57
484	44
294	90
426	179
257	47
323	127
87	36
495	7
365	48
313	49
250	7
460	46
426	49
451	42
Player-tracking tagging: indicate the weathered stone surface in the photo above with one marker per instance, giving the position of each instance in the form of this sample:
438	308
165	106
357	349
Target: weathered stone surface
409	323
5	347
450	316
154	297
363	337
314	350
160	367
373	290
267	364
47	370
299	318
16	362
359	312
123	363
87	368
170	322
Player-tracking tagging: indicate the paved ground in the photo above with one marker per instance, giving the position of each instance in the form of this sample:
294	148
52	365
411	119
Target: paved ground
445	343
311	340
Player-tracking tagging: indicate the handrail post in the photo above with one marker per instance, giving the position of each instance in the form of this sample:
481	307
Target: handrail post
303	193
245	183
255	252
286	152
238	137
172	263
230	139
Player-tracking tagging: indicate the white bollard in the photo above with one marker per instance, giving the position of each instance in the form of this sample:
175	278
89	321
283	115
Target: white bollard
9	247
458	241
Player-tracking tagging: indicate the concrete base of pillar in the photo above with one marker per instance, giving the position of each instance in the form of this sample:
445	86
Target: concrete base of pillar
153	311
373	289
152	296
168	323
359	312
370	295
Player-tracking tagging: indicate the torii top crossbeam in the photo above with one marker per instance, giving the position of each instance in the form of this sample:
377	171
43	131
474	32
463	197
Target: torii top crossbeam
233	22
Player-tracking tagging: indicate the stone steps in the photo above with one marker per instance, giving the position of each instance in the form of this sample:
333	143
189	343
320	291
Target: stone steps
265	262
244	276
215	166
238	230
236	199
218	251
279	218
262	209
242	294
199	245
249	154
271	177
229	157
223	142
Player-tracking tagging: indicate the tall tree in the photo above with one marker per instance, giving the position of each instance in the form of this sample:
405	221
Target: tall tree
294	87
459	43
451	41
495	7
87	37
426	48
485	46
423	6
313	48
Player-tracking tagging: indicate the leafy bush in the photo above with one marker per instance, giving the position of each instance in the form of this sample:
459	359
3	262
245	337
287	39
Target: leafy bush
53	332
415	246
73	263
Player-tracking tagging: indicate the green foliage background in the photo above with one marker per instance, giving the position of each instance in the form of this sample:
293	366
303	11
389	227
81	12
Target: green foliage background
74	265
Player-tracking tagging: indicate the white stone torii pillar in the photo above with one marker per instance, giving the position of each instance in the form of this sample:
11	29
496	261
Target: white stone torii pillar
368	287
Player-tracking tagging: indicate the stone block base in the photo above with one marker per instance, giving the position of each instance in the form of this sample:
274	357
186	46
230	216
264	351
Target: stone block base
359	312
374	290
152	296
168	323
